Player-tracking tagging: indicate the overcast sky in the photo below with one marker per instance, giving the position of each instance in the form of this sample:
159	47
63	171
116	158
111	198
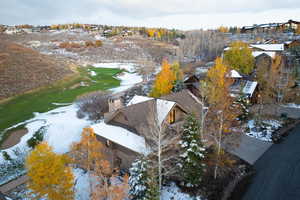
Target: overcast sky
181	14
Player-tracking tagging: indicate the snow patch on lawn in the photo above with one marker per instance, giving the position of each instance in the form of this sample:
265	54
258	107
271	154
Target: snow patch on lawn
263	133
93	73
130	67
63	128
173	192
128	80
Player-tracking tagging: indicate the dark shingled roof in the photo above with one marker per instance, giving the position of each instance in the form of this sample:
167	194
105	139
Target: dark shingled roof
187	100
140	117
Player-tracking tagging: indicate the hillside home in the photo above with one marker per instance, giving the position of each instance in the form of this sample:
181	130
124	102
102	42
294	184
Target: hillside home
288	26
242	86
128	130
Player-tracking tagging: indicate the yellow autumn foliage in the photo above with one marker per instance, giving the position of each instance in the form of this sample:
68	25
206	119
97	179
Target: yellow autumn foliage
164	81
239	57
49	174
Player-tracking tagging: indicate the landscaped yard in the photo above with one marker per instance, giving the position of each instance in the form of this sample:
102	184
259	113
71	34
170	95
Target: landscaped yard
22	107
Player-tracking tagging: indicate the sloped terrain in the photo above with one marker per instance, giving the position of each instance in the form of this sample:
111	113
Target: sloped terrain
23	69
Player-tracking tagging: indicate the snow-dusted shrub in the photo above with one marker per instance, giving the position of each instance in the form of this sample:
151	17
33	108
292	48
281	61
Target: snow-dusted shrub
13	168
243	105
6	156
192	165
36	138
92	105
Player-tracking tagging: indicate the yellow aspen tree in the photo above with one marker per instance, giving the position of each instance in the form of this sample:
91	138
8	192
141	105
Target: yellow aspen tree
222	113
151	32
49	175
164	81
177	71
239	57
88	153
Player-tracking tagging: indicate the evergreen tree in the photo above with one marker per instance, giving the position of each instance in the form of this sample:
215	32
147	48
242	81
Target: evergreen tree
192	166
142	182
178	86
243	104
138	180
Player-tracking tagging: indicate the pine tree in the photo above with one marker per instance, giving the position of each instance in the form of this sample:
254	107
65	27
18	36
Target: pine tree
49	174
192	166
138	180
243	104
143	181
178	86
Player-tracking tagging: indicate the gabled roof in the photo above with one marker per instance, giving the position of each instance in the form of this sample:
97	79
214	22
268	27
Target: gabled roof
187	100
140	117
272	54
234	74
121	136
268	47
138	99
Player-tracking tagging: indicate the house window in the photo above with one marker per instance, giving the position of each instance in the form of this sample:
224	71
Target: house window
171	119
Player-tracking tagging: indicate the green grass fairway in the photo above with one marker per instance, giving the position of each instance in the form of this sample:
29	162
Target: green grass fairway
22	107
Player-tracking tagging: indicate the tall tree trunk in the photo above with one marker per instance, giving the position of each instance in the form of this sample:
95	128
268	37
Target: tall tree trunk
159	164
219	145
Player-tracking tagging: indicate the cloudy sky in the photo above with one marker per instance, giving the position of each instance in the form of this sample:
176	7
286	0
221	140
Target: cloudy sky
181	14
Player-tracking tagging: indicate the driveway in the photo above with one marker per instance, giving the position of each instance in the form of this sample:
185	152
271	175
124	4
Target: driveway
278	172
250	149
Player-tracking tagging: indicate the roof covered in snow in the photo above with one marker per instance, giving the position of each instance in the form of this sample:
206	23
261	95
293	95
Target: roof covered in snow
138	99
140	117
234	74
249	87
121	136
269	47
163	108
269	53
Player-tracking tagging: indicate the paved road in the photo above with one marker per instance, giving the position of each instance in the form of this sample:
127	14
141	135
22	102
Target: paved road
278	172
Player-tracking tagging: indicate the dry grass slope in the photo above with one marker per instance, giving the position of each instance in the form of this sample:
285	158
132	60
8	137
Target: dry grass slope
23	69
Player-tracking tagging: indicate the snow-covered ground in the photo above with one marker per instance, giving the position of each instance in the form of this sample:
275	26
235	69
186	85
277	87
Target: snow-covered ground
128	78
263	133
292	105
173	192
127	81
62	128
82	189
130	67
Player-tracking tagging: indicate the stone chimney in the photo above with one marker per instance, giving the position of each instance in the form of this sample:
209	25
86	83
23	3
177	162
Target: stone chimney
114	104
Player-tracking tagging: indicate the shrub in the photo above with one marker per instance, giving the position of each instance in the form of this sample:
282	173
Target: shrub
93	105
6	156
36	138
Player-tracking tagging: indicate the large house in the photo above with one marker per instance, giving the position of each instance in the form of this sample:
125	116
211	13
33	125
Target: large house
290	25
127	130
